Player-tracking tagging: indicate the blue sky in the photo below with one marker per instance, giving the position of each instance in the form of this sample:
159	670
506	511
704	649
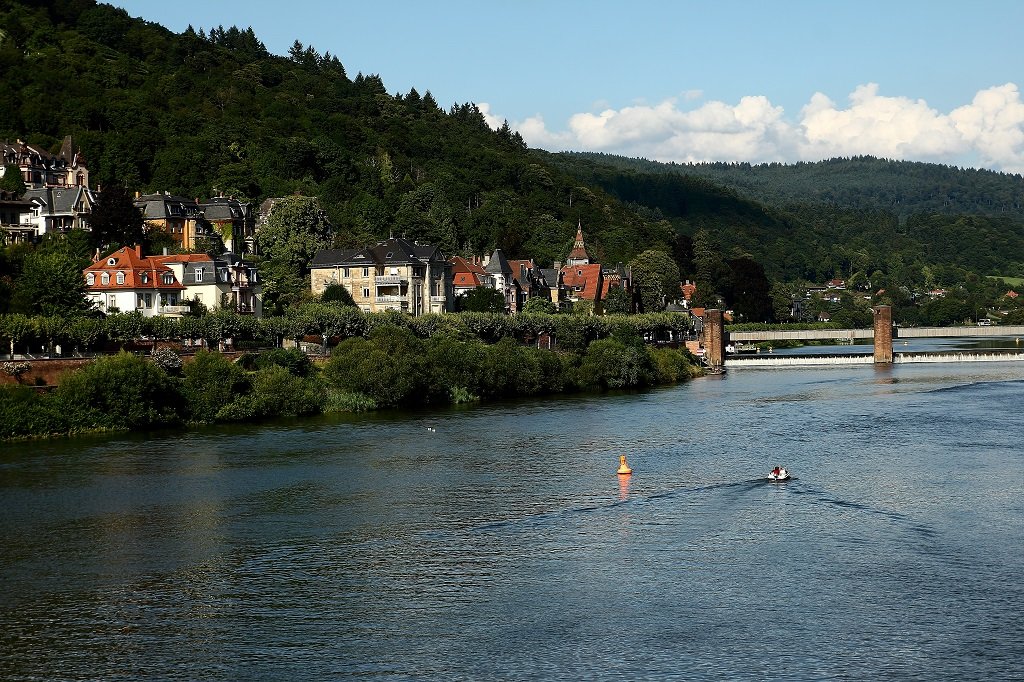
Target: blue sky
726	80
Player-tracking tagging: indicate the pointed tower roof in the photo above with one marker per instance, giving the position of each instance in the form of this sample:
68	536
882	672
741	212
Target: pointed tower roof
578	255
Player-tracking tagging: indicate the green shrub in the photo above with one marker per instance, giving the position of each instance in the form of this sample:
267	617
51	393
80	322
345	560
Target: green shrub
294	360
276	392
211	383
122	391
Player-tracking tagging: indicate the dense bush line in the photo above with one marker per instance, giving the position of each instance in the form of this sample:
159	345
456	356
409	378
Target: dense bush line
391	366
326	321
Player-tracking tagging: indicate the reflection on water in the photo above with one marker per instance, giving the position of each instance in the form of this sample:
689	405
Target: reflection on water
497	542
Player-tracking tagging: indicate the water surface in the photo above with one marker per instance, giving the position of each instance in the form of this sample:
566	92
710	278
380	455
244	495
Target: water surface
496	542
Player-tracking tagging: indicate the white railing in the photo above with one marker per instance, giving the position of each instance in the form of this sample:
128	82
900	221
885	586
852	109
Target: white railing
174	309
438	299
387	280
392	299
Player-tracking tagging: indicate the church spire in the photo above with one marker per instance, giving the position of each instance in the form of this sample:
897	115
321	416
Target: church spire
578	255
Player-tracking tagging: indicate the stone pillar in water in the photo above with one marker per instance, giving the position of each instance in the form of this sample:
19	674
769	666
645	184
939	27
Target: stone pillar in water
883	334
714	338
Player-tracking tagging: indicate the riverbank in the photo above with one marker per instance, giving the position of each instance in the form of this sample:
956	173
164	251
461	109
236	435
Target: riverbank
390	367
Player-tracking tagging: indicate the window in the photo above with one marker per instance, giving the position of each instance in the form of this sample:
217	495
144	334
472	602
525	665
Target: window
199	274
149	300
145	278
111	301
344	273
90	279
366	293
139	301
366	272
120	278
168	278
105	278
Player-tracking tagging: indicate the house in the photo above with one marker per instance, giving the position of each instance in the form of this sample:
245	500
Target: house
836	284
468	275
180	217
394	274
15	219
530	280
581	279
583	283
233	220
498	267
125	281
59	209
225	281
40	169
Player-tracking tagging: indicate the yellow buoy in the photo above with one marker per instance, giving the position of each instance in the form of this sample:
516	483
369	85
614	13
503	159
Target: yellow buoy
624	469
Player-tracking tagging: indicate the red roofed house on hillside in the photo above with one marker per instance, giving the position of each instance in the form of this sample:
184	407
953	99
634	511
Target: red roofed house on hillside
125	281
583	280
468	275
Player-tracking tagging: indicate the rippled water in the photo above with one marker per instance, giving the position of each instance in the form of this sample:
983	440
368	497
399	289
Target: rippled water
495	542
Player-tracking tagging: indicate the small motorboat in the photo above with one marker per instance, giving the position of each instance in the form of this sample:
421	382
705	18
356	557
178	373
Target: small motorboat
778	475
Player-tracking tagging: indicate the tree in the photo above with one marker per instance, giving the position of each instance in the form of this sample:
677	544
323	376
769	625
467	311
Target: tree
115	221
482	300
11	181
656	277
618	301
708	267
749	291
337	294
295	231
537	304
51	283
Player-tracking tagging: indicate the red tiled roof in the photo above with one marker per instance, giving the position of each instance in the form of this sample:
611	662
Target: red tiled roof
135	268
585	278
688	290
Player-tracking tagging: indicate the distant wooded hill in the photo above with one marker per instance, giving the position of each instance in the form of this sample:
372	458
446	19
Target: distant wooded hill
211	111
860	182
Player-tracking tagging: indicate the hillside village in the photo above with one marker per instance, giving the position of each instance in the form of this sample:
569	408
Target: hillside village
395	274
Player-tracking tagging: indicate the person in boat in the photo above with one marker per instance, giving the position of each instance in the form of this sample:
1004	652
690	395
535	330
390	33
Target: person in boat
776	471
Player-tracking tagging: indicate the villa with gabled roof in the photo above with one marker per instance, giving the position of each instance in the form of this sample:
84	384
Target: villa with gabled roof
394	274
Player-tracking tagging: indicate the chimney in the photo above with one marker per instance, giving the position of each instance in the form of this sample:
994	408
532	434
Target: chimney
138	250
165	250
137	194
558	265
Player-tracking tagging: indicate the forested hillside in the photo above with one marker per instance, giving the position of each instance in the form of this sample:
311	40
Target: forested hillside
861	182
815	221
212	111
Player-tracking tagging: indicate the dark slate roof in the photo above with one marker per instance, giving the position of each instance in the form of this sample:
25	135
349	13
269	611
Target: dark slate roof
394	251
498	265
56	199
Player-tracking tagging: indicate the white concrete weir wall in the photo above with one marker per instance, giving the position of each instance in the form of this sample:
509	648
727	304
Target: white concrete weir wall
864	359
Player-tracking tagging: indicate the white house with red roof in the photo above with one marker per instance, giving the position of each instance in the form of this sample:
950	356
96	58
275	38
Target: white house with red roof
125	281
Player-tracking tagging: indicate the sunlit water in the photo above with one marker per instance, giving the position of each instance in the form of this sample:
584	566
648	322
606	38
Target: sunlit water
496	542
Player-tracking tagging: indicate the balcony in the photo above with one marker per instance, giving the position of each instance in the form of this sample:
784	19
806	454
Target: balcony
392	299
388	280
174	309
438	299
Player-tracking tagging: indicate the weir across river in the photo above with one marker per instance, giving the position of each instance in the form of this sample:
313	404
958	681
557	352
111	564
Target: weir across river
883	332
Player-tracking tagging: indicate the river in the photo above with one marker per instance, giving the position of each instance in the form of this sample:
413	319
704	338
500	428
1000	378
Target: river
496	541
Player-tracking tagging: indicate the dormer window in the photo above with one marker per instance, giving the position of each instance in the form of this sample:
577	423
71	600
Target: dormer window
145	278
168	278
199	274
105	278
111	261
90	279
120	278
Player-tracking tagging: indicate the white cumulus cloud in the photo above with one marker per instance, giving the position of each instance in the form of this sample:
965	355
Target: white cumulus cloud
988	132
